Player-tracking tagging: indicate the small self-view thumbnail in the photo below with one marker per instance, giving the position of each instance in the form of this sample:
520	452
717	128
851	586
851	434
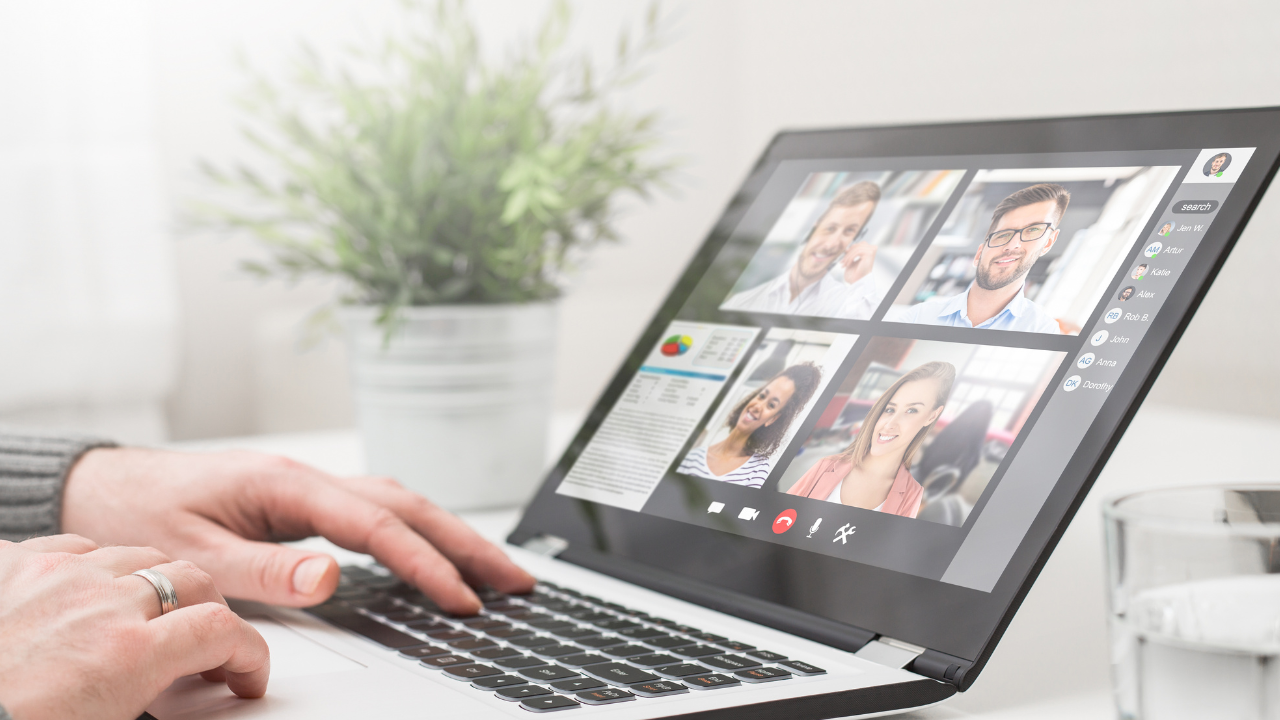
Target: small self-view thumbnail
1031	249
778	386
841	243
917	428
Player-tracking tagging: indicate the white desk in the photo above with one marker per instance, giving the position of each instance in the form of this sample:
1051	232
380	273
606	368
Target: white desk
1053	661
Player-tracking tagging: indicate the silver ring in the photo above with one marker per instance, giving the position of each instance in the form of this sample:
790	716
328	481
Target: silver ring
164	588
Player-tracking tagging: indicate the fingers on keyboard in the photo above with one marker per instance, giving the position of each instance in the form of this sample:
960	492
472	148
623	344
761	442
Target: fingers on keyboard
585	650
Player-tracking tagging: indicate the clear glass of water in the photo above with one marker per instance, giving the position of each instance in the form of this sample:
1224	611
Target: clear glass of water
1195	602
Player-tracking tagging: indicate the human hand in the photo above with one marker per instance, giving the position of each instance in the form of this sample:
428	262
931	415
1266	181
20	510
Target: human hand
858	261
225	512
83	638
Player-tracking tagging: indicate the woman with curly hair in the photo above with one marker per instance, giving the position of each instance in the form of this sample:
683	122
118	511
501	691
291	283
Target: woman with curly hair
757	427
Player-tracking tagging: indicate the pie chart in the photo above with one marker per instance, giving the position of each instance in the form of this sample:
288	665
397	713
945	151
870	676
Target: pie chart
676	345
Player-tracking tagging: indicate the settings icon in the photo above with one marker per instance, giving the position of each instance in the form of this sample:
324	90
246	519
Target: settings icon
843	533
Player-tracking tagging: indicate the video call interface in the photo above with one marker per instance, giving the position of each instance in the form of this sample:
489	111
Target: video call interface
892	361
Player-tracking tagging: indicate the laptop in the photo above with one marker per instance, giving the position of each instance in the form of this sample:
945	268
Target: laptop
836	459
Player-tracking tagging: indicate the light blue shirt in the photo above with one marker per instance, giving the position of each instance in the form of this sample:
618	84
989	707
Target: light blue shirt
1020	314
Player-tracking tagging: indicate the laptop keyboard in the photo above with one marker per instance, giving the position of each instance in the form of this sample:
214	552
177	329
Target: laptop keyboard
554	649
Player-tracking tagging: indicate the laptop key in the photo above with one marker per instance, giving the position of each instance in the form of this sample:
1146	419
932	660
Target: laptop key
485	624
589	615
666	642
520	692
697	651
429	626
605	696
534	641
708	637
626	650
652	660
711	682
640	633
498	681
403	615
658	688
681	670
802	668
507	633
424	651
526	615
574	632
578	684
472	644
547	673
735	646
549	704
495	653
614	624
580	660
522	661
471	672
550	624
556	650
600	641
349	619
618	674
449	635
731	662
766	655
444	661
380	605
763	674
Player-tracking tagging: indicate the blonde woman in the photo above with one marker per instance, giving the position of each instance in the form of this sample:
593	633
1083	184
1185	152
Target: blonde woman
872	472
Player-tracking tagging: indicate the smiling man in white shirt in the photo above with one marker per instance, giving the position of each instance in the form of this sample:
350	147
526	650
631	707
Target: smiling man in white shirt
811	286
1024	228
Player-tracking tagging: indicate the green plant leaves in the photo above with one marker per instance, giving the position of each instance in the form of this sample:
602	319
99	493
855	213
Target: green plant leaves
422	175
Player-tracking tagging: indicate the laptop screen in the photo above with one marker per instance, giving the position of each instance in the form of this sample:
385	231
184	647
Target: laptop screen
892	361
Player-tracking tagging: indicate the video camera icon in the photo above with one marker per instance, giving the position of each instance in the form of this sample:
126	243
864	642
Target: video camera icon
748	514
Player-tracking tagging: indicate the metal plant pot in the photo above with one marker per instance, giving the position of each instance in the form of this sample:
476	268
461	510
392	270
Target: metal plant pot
456	406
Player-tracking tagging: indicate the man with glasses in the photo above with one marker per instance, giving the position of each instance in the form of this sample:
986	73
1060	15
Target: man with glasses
809	286
1024	227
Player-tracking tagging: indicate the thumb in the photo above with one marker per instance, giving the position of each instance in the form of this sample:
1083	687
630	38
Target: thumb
267	572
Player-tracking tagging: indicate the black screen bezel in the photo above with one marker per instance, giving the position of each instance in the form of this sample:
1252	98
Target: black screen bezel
957	621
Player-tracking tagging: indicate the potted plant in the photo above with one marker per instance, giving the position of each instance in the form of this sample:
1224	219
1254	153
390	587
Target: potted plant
450	195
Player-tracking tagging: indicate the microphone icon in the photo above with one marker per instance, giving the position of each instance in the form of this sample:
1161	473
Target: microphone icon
814	529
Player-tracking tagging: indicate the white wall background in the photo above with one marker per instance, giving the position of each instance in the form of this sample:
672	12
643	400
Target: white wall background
735	73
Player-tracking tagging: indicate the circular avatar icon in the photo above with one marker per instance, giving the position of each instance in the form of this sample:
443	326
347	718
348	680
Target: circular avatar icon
1112	315
1098	338
1153	249
1085	361
1072	383
784	521
676	345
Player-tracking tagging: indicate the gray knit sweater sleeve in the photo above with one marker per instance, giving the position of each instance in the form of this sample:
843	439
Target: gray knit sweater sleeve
33	469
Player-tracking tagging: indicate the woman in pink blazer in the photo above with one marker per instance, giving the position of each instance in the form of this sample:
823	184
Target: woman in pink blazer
872	472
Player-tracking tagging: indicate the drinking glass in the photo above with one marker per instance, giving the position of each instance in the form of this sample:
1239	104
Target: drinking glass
1194	581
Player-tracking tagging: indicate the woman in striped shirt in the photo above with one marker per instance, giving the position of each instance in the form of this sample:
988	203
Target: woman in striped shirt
756	429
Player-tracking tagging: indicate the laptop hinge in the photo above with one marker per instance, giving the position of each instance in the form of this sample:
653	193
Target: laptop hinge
545	545
941	666
890	652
